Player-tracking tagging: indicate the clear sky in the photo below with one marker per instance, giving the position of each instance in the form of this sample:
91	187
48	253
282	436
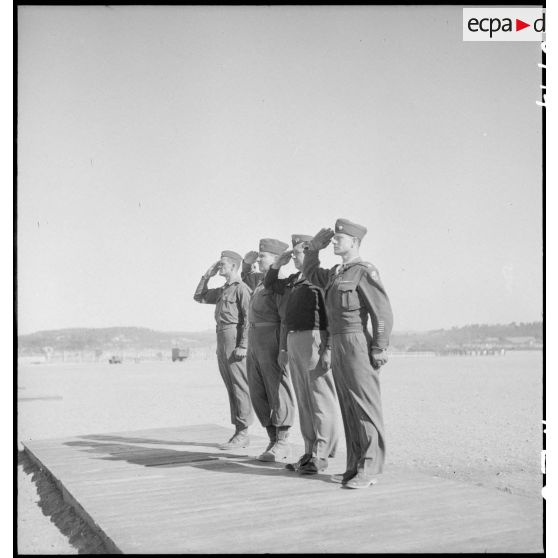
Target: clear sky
152	138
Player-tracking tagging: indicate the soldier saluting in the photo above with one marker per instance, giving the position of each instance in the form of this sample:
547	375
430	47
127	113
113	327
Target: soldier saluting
268	375
309	358
231	316
353	294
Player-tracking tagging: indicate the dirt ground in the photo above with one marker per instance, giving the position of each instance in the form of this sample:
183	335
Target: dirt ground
473	419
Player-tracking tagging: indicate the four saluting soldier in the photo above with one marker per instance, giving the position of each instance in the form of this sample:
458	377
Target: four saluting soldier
288	324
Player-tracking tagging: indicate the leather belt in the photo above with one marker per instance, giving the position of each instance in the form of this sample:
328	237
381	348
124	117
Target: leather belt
264	324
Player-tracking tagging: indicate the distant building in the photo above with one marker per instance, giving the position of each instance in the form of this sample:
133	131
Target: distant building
526	340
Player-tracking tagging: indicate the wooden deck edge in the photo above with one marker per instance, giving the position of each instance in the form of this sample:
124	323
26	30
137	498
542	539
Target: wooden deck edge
73	502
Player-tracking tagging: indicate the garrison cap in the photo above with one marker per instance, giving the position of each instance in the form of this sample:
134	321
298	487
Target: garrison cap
272	245
348	227
232	255
298	238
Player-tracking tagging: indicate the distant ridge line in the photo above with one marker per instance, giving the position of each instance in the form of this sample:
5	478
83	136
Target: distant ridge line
513	335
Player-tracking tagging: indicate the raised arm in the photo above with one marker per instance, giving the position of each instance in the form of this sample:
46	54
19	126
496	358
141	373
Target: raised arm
312	270
271	280
248	273
273	283
311	265
203	294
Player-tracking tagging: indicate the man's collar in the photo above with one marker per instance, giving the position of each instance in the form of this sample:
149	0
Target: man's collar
233	281
355	260
342	267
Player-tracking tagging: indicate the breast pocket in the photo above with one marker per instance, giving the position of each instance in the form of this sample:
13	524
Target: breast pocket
226	306
227	302
348	296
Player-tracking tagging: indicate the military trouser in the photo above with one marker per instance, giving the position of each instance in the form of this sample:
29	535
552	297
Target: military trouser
315	393
270	387
234	375
358	389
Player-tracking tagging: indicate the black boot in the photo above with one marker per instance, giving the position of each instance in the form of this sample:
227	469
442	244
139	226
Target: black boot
314	466
302	461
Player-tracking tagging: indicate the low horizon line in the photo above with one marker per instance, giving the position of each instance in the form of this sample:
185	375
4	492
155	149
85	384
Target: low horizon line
211	328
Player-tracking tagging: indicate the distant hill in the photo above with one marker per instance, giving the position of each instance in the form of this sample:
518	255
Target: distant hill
514	335
521	335
111	339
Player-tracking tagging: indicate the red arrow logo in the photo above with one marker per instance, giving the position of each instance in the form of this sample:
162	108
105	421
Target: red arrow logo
519	25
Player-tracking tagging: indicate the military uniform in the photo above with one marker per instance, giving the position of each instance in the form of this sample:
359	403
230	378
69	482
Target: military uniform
306	323
354	292
251	278
270	387
231	316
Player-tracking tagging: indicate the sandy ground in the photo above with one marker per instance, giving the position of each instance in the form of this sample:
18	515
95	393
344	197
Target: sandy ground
473	419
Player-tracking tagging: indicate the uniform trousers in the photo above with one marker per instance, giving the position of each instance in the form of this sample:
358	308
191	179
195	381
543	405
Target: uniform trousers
234	375
358	389
315	393
270	387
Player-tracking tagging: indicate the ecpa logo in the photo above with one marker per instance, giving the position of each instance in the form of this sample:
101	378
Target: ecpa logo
503	24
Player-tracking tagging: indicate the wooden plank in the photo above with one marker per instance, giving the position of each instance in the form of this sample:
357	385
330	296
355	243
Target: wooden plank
173	491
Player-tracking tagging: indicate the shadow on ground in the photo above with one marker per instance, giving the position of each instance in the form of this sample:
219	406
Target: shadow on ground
153	441
53	506
222	462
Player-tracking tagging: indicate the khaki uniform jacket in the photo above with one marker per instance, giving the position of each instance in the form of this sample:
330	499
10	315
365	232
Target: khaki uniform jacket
353	292
231	301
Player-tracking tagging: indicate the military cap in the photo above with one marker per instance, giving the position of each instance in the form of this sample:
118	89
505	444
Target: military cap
237	258
348	227
272	245
298	238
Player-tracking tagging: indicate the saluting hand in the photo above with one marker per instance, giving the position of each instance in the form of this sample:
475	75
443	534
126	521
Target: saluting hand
213	269
251	257
283	259
321	239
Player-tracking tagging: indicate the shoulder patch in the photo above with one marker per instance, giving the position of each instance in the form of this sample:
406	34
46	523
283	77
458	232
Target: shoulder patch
372	271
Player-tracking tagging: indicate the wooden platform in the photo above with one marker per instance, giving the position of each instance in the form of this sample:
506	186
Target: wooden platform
172	491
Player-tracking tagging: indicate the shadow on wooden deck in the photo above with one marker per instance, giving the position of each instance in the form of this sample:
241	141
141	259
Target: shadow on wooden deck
126	449
173	491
